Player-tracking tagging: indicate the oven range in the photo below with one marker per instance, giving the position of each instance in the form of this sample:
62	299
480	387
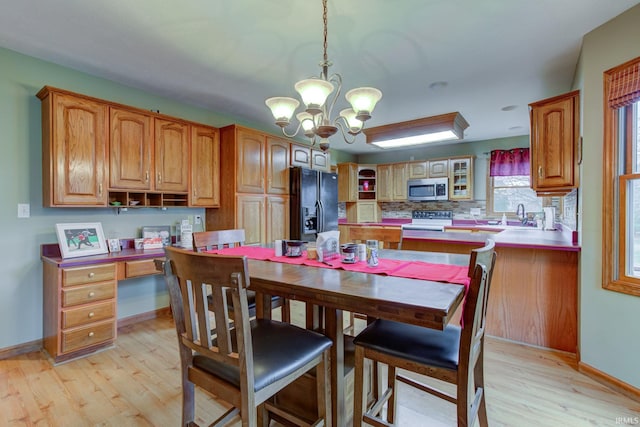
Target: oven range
429	220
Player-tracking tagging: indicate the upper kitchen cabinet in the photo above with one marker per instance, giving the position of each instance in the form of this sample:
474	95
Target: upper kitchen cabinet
142	159
428	169
74	149
347	182
320	160
171	147
259	195
301	156
130	149
277	168
554	144
205	167
392	182
461	178
438	168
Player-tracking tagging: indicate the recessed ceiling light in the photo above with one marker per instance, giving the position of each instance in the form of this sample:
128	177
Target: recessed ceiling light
438	85
509	108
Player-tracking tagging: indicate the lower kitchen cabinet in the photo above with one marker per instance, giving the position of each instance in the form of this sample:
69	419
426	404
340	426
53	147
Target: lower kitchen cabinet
263	218
367	211
79	309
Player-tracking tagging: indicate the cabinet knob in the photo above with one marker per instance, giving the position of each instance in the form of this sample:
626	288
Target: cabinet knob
90	334
92	274
91	315
92	294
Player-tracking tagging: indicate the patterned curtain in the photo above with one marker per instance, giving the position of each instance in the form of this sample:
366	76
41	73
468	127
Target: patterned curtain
509	162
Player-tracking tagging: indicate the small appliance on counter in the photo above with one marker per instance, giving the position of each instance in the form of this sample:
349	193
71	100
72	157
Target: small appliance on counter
549	218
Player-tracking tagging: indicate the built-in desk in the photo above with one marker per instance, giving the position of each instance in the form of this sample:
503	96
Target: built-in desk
80	297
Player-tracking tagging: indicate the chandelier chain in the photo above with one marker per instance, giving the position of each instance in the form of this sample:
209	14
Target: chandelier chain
324	21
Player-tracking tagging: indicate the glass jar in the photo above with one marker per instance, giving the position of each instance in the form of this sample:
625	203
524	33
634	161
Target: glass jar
372	253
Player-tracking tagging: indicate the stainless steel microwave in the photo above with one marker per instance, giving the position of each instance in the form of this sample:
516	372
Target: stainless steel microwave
427	189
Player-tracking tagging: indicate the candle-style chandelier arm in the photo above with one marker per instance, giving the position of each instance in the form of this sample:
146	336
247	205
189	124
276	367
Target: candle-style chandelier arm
348	136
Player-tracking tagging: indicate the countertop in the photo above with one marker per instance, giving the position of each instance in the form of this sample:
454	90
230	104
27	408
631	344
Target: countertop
524	237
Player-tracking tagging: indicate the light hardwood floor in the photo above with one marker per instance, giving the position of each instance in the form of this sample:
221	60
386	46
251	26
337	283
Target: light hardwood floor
137	383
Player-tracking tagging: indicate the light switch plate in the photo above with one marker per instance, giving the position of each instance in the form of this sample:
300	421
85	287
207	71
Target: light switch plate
24	210
475	211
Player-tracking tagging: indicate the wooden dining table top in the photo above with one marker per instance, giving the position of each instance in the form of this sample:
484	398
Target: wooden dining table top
421	302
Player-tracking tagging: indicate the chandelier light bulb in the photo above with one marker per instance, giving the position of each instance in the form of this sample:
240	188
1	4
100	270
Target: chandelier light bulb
314	93
354	124
363	100
282	109
306	121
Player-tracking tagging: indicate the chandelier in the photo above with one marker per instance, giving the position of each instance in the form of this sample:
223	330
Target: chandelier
315	92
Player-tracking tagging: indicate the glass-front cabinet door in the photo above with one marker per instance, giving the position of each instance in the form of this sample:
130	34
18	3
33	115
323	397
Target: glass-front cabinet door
461	178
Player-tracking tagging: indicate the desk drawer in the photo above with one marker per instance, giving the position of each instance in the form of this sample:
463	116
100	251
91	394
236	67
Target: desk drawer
88	335
88	293
91	274
143	267
88	314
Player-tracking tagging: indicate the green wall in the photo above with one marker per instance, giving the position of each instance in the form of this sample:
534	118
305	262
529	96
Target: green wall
21	177
609	321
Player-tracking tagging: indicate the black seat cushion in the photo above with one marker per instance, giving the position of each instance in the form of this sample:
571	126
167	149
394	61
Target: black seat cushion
418	344
278	350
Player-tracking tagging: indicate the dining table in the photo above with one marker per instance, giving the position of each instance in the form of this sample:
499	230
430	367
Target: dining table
332	291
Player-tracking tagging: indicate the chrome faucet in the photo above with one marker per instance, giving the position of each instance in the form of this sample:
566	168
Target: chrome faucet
521	214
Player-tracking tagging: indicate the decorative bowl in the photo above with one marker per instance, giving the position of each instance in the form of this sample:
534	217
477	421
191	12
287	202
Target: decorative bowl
133	202
115	203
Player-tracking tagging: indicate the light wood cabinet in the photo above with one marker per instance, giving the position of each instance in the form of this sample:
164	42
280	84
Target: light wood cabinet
320	160
367	182
74	149
418	169
385	183
171	146
258	199
277	167
392	182
277	218
438	168
97	153
205	167
347	182
130	149
79	309
301	156
366	211
461	178
555	133
399	176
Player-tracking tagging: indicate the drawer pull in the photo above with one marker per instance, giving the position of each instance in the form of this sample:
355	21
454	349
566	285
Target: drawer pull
92	294
92	274
91	315
91	334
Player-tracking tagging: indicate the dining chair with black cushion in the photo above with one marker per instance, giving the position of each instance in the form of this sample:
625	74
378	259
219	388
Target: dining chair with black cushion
454	355
220	239
248	361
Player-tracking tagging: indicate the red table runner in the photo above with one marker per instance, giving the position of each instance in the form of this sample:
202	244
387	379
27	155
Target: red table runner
408	269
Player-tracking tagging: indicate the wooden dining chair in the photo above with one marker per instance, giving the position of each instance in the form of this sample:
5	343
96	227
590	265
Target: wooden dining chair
220	239
388	236
248	361
454	355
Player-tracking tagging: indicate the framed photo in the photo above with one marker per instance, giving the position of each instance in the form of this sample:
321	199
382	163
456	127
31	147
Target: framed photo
81	239
163	232
114	245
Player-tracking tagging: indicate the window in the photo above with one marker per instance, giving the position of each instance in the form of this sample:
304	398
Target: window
505	193
621	186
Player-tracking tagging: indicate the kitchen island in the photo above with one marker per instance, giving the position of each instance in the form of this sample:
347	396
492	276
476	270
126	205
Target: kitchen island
534	290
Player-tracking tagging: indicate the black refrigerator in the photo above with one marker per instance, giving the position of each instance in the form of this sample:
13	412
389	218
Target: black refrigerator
313	202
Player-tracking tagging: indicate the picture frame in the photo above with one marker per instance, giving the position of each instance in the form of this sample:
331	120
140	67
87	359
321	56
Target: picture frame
81	239
158	231
114	245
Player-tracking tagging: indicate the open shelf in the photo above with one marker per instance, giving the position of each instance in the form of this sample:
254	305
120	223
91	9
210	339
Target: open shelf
148	199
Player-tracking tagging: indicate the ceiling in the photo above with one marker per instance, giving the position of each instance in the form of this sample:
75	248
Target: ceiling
230	55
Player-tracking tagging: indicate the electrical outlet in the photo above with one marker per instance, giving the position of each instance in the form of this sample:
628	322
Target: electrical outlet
475	211
198	219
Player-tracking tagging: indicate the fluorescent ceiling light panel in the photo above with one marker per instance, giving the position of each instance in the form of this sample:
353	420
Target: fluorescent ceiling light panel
444	127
